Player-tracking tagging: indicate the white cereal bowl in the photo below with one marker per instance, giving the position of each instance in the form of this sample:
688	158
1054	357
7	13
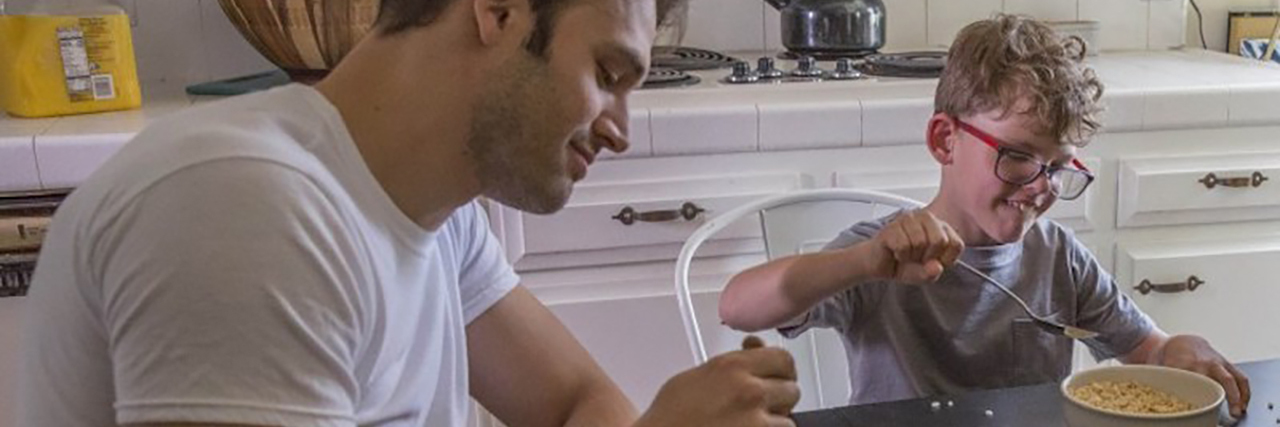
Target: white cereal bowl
1205	396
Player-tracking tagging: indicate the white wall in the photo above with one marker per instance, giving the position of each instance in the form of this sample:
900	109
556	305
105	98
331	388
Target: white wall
915	24
187	41
1215	20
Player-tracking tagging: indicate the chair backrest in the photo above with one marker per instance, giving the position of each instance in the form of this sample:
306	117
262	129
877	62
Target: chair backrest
791	223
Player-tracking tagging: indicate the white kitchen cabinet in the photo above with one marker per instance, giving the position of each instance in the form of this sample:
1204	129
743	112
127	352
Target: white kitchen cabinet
640	219
641	343
1223	289
1188	189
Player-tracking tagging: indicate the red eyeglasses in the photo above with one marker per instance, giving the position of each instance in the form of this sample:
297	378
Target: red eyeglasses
1020	168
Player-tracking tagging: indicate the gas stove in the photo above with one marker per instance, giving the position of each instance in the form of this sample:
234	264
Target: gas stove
682	67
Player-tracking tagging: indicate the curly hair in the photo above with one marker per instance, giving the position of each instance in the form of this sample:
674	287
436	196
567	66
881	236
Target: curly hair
993	64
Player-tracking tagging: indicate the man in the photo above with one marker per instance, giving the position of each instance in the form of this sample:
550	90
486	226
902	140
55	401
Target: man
316	257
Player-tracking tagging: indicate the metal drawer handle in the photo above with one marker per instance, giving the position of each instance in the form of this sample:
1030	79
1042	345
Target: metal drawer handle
1211	180
1190	285
688	211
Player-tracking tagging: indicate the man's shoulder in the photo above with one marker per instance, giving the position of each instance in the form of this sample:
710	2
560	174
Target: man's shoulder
274	122
243	138
266	126
466	223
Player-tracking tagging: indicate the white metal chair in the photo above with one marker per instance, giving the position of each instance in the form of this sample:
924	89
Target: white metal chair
792	223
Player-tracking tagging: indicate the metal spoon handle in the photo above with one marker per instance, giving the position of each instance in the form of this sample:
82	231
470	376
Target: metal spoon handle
1000	286
1055	327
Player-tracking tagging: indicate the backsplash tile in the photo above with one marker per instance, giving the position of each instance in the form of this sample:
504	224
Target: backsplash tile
1124	22
190	41
182	42
228	52
905	25
773	29
1049	10
947	17
167	41
1166	24
726	24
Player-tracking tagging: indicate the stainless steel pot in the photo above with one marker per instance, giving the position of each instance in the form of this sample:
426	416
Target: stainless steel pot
817	26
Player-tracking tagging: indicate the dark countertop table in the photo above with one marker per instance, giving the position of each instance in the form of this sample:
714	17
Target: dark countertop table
1037	405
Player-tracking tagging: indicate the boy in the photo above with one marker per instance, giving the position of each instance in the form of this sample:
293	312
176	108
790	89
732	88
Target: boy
1013	105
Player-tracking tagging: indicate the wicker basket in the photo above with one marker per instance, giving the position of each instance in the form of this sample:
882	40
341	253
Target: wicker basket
306	38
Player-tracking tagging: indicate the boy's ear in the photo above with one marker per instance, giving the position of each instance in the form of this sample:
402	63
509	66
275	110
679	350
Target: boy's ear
941	136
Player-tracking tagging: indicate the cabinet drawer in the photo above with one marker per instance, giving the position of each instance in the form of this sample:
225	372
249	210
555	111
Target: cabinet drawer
640	342
1200	189
1234	296
590	230
922	184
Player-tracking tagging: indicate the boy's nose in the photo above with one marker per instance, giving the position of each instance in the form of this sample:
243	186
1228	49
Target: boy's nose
1041	184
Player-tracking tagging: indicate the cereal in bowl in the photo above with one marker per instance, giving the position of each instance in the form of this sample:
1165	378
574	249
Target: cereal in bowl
1129	397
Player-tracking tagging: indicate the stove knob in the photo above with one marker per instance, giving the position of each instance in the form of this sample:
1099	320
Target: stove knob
741	74
807	67
845	71
766	70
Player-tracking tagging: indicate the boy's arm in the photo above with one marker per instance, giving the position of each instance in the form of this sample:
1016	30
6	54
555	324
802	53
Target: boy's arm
1193	353
774	293
914	248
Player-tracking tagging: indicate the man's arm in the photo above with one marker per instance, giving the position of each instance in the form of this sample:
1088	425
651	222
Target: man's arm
527	369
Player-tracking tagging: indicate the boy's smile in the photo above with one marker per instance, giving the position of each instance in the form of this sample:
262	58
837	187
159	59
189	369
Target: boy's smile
987	151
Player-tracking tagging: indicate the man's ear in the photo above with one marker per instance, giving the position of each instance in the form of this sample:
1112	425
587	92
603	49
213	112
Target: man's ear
941	136
499	20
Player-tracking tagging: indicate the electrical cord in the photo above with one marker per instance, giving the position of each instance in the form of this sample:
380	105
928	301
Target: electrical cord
1200	23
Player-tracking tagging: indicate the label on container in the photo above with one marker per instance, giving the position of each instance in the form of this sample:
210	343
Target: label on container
84	47
54	65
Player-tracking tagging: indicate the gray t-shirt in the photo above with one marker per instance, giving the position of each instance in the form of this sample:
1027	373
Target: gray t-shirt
959	334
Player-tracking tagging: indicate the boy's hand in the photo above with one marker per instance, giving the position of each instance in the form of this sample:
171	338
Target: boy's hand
915	248
754	387
1193	353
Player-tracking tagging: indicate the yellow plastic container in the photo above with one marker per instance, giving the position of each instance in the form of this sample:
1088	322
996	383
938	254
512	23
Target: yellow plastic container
67	62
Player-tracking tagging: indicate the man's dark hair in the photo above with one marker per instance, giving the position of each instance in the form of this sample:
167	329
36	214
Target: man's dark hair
397	16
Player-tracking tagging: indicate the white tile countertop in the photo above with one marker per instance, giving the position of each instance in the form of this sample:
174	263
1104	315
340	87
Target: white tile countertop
1147	90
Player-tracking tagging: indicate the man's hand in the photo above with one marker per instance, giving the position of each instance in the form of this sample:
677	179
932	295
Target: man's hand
754	387
1193	353
915	248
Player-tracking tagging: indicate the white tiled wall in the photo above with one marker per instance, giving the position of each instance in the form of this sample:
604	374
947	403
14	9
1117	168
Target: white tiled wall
1215	20
915	24
190	41
1118	33
946	17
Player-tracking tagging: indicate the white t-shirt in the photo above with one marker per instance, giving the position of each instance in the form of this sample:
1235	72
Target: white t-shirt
238	263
